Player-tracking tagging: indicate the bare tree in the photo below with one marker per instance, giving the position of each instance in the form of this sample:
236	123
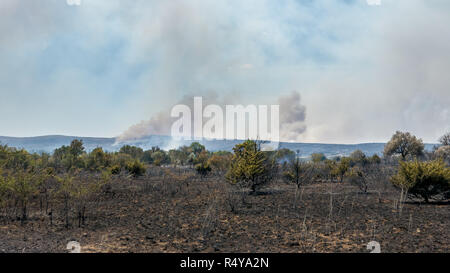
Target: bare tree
298	173
445	139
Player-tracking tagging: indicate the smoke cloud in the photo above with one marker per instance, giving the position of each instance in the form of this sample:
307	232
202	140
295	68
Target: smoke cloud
292	117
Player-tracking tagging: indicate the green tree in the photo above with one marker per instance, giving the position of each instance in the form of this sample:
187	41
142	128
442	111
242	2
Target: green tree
249	166
197	148
98	160
23	187
341	168
133	151
318	157
358	158
76	148
160	158
404	144
147	157
69	157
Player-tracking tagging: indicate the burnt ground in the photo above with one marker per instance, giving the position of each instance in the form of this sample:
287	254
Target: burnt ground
207	215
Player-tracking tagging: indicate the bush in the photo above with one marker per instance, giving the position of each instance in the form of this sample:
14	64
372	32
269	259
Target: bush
220	163
375	159
357	177
160	158
249	166
203	169
423	179
98	160
136	168
116	169
341	168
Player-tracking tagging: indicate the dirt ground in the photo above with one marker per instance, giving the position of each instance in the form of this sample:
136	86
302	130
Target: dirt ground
207	215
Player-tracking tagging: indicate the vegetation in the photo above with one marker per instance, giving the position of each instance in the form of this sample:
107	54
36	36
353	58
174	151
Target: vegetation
299	173
405	145
249	166
423	179
445	139
318	157
135	168
68	182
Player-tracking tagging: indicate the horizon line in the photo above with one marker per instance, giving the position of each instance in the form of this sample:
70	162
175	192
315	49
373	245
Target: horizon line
205	139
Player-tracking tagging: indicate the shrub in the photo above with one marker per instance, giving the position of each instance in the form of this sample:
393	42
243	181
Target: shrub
121	160
219	162
98	160
203	169
136	168
160	158
423	179
375	159
357	177
116	169
341	168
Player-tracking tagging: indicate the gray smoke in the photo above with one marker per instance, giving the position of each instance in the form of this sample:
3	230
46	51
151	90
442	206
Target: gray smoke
161	123
292	117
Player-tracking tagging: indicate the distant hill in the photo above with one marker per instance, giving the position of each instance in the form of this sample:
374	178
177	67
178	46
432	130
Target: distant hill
50	143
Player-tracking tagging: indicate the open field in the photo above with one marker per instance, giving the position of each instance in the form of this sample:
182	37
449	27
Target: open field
179	211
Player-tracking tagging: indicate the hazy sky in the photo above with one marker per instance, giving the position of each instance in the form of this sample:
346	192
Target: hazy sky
362	71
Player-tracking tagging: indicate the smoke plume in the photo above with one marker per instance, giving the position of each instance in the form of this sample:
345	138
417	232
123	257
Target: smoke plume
292	117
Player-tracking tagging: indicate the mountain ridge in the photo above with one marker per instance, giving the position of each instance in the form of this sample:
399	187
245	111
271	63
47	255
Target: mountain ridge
48	143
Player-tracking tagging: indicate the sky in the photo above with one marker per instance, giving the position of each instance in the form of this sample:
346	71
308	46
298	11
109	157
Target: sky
350	72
